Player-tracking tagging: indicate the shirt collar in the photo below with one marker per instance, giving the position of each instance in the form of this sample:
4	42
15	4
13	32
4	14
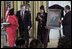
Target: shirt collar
67	11
21	12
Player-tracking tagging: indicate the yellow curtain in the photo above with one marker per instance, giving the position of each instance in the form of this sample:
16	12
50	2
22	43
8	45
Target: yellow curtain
35	8
2	9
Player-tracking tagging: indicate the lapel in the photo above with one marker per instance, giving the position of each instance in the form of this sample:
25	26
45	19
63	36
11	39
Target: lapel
24	15
21	14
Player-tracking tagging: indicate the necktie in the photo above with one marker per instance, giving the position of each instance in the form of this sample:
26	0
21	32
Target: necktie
22	15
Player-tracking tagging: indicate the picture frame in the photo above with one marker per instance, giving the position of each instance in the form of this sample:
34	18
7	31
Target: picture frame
52	18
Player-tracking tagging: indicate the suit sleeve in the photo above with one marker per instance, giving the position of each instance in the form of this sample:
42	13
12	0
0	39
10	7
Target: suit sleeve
45	18
67	19
29	23
18	16
37	19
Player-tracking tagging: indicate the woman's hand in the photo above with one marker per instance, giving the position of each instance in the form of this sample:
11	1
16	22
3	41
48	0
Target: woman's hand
39	17
9	25
17	27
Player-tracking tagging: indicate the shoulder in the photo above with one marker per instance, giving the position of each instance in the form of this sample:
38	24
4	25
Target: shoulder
15	16
38	13
69	13
45	13
12	16
18	11
26	11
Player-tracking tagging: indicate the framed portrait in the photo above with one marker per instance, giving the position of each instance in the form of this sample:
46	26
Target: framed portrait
52	18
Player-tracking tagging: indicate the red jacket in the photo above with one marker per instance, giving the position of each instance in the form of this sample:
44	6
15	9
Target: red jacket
14	22
11	30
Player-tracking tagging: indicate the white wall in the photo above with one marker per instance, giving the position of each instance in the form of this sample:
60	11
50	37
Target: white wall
54	34
62	3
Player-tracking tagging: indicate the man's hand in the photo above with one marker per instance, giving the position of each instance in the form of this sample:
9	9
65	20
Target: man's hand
60	21
28	27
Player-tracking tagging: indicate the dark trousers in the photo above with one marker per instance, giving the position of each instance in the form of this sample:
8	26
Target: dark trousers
27	38
21	32
25	34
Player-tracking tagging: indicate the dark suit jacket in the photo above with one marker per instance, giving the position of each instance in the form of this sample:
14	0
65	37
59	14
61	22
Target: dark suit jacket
67	24
26	20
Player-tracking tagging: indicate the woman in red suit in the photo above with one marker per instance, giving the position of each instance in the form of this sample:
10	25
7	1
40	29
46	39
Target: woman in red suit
11	29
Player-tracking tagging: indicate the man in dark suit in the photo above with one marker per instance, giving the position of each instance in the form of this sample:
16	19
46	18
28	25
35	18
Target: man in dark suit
24	20
65	42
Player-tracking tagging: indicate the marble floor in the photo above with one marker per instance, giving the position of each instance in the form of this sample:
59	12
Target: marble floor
52	44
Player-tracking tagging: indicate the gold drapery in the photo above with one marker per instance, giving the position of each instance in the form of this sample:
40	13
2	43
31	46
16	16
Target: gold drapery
34	7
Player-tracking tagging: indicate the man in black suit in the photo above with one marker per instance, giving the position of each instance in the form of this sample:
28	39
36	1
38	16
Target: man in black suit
65	42
24	20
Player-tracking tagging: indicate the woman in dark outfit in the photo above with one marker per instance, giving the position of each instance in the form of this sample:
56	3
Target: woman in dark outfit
42	33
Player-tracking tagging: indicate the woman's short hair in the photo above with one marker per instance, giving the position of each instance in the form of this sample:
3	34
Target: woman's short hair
42	7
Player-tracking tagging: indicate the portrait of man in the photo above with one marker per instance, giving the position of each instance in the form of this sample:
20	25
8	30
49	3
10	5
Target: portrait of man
53	17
